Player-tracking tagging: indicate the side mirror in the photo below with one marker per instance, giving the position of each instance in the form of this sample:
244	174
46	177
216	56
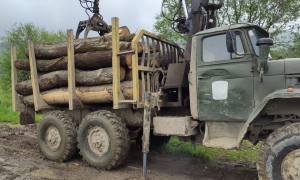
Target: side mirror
264	51
231	41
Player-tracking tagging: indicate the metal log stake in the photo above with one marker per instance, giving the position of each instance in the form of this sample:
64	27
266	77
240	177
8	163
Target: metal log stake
146	131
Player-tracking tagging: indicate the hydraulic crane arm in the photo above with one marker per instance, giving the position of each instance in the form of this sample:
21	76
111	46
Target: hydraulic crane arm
95	23
201	17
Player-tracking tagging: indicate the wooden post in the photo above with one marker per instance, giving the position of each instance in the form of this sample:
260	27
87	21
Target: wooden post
117	94
39	102
14	80
135	66
74	101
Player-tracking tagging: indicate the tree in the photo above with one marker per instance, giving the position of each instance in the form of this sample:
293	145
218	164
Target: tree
273	15
288	48
163	22
19	35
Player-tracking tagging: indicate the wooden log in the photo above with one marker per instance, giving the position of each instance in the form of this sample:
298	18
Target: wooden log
87	95
58	49
60	78
159	59
122	31
125	37
83	61
128	76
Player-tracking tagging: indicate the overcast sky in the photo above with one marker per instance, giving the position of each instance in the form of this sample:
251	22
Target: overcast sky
66	14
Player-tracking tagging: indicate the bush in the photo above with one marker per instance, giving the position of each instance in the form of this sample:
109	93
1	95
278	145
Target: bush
288	49
18	35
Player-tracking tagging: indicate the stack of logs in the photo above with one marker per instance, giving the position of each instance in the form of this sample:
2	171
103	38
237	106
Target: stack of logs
93	63
93	74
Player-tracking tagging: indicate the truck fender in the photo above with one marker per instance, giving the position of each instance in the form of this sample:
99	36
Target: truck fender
280	94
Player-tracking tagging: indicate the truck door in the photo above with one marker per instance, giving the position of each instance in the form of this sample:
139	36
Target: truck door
224	80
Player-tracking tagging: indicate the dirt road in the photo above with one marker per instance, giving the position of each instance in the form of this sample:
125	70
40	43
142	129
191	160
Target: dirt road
20	158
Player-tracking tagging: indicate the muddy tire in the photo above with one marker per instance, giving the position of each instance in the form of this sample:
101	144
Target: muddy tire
57	136
279	157
103	140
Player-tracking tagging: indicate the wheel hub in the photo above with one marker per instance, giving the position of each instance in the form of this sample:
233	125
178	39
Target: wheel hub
98	140
290	167
53	138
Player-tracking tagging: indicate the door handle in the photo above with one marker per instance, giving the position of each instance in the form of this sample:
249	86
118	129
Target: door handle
203	77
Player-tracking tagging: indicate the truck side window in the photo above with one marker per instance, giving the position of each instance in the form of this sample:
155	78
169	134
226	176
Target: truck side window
214	48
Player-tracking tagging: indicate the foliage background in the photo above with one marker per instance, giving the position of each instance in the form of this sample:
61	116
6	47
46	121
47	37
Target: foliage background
275	16
19	35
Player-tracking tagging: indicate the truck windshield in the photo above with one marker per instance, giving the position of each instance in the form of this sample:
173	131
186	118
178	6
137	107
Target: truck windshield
254	36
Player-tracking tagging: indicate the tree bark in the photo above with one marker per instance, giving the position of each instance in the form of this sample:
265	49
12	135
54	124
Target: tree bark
160	59
87	95
122	31
83	61
54	50
60	78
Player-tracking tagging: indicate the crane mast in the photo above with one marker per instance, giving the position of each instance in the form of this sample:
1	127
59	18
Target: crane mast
200	17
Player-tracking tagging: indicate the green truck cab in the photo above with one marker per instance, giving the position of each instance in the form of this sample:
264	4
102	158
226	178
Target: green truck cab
246	95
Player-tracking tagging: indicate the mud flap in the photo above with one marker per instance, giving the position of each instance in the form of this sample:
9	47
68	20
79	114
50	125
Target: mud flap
222	134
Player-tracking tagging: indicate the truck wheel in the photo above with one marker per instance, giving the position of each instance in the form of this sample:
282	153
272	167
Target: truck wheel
103	140
279	157
57	136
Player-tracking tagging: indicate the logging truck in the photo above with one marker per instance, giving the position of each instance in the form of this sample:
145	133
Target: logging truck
226	88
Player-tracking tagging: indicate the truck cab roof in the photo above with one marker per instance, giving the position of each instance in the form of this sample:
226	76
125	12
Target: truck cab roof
233	26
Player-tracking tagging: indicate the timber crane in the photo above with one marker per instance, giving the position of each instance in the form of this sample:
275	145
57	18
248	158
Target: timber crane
201	17
95	23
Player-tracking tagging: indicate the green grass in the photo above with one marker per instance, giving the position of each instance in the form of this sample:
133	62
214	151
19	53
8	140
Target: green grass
6	112
247	154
